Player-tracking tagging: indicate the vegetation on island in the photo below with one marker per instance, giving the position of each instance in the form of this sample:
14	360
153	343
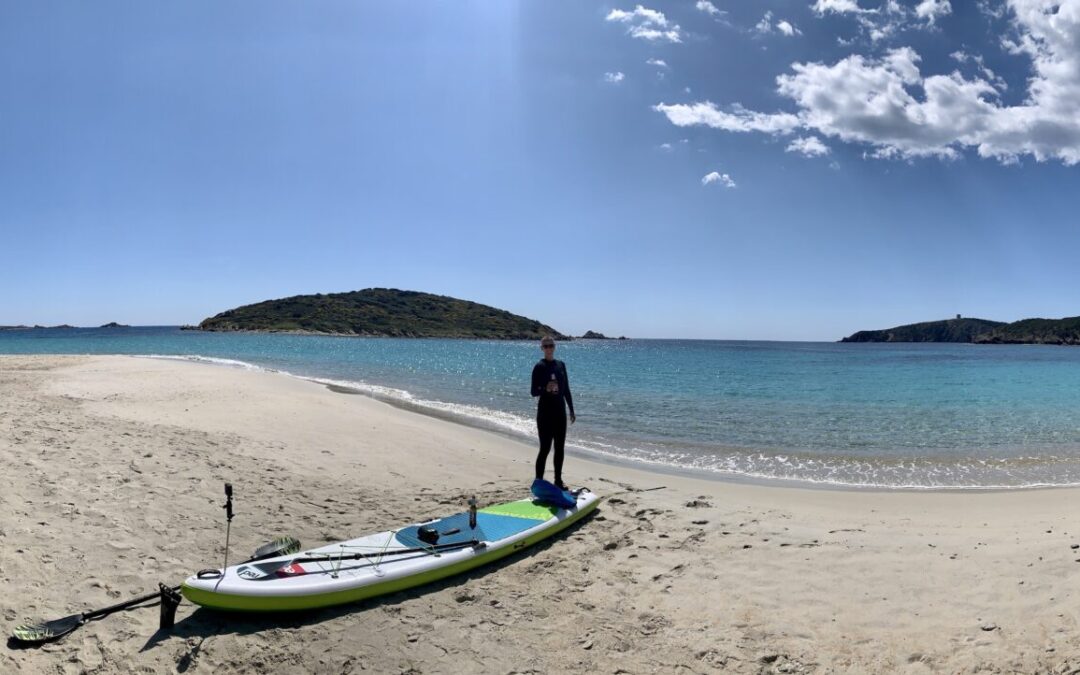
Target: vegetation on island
384	312
950	330
980	331
1035	331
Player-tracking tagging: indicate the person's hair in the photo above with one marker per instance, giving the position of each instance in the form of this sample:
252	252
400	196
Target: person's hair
547	340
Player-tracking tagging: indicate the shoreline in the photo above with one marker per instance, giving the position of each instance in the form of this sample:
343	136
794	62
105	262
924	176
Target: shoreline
116	466
471	421
405	402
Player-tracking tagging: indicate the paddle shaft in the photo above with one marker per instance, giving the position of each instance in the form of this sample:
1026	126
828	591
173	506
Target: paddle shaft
97	613
105	611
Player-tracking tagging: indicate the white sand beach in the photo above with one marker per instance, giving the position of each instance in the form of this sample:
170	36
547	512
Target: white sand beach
113	473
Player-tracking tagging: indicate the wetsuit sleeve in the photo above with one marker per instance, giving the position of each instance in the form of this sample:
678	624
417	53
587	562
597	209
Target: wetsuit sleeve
537	380
566	390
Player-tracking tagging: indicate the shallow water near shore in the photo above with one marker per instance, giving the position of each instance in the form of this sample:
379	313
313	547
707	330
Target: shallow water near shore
880	415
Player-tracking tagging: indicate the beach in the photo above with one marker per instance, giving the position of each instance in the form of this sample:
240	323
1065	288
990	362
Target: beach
113	483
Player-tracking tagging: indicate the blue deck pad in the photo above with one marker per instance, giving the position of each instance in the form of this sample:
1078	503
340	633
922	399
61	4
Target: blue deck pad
490	527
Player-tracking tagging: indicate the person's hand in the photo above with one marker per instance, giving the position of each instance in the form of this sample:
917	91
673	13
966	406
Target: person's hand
573	418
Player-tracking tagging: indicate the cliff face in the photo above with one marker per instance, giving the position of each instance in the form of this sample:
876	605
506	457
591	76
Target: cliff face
950	330
380	312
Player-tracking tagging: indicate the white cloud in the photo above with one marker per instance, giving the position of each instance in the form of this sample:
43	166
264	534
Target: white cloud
889	105
787	29
809	146
646	24
838	7
932	10
888	18
659	63
640	14
614	78
766	26
719	178
739	119
708	7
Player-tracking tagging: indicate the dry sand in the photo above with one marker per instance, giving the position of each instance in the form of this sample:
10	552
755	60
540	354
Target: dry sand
113	472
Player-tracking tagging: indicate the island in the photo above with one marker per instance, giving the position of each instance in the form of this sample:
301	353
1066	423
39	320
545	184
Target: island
380	312
949	330
113	324
593	335
979	331
1035	331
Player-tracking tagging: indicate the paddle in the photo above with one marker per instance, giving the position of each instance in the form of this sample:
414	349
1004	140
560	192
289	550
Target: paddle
266	569
47	631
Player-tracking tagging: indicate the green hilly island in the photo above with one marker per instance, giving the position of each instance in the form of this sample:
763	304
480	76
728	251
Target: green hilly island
950	330
979	331
385	312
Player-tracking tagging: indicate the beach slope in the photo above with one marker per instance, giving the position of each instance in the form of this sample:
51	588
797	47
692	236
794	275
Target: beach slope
113	473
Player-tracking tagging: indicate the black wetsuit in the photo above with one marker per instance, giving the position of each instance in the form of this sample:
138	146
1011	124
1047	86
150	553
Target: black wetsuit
551	412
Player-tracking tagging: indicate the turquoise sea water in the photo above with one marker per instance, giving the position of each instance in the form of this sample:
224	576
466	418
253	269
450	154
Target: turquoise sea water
896	415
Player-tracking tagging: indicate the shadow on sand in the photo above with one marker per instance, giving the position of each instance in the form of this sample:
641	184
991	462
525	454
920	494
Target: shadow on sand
204	623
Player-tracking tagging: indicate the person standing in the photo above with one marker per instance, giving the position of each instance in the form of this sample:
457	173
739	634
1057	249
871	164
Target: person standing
552	389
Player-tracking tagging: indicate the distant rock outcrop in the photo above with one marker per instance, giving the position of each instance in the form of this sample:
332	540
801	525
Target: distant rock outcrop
980	331
950	330
383	312
1035	331
113	324
593	335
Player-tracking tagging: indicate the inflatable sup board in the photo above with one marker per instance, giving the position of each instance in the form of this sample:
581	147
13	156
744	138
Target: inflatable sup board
385	562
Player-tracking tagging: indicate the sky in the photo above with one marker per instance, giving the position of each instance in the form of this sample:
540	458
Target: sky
729	169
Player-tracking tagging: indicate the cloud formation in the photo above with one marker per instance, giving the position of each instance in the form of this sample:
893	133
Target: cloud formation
614	78
809	146
646	24
888	104
932	10
767	26
787	28
708	7
886	19
718	178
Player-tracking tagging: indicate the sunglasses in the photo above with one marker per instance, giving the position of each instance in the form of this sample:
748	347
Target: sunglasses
547	346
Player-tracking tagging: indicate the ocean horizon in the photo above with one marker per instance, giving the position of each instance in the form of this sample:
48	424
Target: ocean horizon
876	415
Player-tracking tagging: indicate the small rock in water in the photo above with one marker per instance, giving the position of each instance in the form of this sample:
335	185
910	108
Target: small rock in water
989	626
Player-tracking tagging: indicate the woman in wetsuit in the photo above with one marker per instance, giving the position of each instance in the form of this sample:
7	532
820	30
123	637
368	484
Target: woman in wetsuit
551	386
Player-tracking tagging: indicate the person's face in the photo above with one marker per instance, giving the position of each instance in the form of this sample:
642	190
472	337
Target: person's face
548	349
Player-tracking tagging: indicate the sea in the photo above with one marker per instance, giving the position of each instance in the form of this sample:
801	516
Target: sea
869	415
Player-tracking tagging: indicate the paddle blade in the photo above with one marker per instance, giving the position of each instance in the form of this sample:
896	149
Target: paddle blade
47	631
279	546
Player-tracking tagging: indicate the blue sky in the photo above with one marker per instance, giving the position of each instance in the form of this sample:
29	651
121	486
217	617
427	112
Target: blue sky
791	170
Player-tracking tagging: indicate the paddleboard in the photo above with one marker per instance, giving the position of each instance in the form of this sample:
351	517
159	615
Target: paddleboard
386	562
